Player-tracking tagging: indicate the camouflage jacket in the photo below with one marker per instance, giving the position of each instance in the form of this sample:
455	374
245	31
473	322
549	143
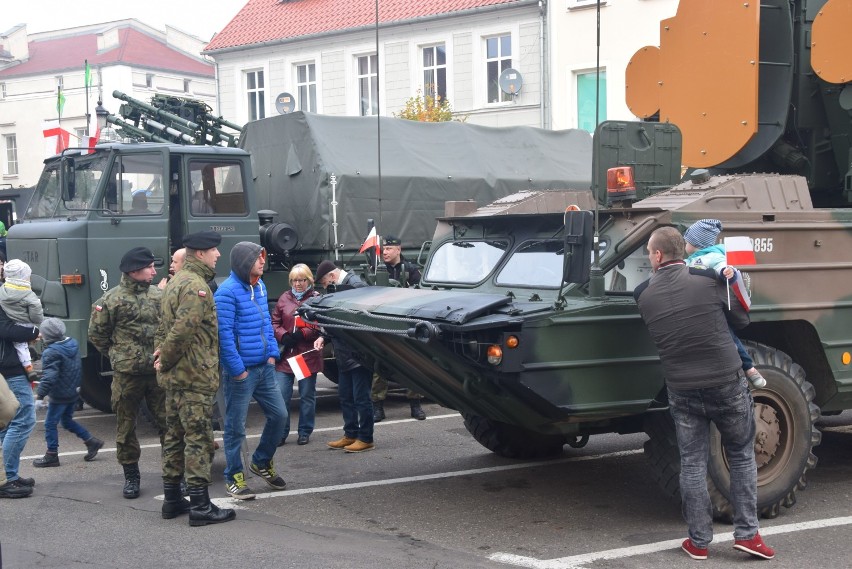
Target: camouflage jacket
123	324
188	337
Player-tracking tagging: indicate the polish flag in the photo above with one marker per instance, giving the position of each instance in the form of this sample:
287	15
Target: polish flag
89	142
299	366
56	138
739	251
372	241
740	291
300	322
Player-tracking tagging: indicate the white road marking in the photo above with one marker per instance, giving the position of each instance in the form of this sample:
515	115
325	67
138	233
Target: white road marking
233	502
580	561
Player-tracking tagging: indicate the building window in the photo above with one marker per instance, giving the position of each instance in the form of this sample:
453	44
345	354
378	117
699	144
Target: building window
498	58
368	85
2	90
11	144
79	133
586	100
306	84
186	83
435	71
149	80
255	93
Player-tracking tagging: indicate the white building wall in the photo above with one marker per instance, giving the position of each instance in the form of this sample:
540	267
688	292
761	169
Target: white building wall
626	26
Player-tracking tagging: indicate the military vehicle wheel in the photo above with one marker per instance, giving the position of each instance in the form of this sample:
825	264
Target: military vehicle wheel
96	389
511	441
786	417
786	435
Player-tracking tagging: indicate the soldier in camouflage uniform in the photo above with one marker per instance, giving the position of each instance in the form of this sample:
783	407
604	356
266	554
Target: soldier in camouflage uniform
122	327
187	359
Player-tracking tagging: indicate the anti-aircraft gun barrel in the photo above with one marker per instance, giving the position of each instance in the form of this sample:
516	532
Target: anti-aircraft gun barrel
177	134
154	111
135	131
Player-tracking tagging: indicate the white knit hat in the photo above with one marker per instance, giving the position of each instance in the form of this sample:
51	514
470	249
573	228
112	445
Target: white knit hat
17	272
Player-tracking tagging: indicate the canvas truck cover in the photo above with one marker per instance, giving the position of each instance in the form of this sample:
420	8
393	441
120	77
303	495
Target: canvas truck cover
422	166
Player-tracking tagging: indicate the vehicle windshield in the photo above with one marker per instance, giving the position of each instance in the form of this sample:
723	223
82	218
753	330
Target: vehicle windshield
47	200
534	264
465	262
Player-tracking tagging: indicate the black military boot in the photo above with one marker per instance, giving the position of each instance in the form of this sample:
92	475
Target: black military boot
49	459
93	445
131	481
378	411
417	411
203	511
173	502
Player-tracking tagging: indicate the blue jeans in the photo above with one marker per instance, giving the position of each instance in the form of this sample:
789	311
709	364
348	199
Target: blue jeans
17	432
62	413
353	387
259	384
748	363
307	400
731	408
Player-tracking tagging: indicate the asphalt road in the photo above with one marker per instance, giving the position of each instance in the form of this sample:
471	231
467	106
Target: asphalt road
428	496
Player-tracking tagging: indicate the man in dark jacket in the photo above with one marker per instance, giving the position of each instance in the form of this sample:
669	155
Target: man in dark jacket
14	436
686	312
353	379
248	351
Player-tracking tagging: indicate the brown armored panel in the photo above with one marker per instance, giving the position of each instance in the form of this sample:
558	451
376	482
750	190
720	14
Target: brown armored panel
709	66
831	37
642	82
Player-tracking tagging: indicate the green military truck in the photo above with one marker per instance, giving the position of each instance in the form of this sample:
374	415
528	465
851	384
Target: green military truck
302	185
538	346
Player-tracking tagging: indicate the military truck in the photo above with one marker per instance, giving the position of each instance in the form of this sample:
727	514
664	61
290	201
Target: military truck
526	322
302	185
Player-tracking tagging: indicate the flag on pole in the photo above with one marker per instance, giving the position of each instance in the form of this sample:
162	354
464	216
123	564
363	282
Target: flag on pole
60	101
372	241
88	82
56	138
299	367
741	290
89	142
739	251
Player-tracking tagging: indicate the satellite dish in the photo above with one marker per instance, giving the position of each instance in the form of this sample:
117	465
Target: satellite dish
511	81
285	103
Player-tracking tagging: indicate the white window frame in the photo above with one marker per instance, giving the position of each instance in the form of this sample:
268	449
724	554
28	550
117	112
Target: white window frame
434	68
149	80
10	163
187	85
370	73
481	64
575	4
261	105
307	84
2	90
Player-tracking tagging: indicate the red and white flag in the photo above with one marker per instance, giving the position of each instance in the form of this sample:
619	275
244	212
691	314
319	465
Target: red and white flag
741	292
56	138
739	251
299	367
90	142
300	322
372	241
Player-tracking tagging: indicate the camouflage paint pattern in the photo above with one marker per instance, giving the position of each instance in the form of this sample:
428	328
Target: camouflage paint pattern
128	392
188	443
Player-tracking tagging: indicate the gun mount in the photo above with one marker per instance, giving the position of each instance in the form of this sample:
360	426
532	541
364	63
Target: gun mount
174	120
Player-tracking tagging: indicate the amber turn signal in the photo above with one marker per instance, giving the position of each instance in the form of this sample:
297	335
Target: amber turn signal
495	354
76	279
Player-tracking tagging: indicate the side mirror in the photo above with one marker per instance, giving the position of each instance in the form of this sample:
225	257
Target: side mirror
579	230
68	178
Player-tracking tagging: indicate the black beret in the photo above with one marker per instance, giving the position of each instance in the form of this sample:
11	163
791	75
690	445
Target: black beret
324	268
135	259
202	240
391	240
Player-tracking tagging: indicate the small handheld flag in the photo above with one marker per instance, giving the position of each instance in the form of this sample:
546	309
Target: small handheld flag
739	251
300	322
299	366
372	241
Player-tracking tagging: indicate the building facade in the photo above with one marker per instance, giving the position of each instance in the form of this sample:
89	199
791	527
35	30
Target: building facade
281	56
41	74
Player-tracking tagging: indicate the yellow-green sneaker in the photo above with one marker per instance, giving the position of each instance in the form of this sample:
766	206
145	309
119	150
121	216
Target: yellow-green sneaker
238	488
269	475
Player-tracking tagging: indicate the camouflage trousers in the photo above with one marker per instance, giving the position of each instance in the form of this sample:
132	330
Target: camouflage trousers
188	444
380	390
128	392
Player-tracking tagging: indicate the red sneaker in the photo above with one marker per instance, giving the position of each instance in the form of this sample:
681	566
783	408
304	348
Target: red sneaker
755	546
693	551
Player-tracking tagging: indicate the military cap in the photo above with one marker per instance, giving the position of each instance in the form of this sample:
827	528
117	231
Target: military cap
391	240
202	240
135	259
324	268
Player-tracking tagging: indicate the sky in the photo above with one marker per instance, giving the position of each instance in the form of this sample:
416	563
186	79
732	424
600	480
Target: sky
201	18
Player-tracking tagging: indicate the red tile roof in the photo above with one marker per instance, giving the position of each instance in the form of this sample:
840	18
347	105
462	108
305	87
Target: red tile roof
268	20
134	48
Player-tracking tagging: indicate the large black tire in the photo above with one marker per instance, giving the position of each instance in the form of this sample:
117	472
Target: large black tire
96	388
786	435
511	441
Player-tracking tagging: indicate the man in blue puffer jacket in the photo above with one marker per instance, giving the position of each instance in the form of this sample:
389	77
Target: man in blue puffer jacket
247	351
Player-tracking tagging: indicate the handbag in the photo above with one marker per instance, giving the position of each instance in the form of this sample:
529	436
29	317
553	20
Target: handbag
8	404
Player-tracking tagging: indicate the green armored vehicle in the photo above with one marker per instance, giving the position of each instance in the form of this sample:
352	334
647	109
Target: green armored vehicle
537	350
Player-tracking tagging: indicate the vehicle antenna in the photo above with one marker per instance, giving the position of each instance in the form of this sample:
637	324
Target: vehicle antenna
596	278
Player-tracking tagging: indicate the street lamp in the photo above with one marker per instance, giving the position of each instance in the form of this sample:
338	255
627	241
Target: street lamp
101	113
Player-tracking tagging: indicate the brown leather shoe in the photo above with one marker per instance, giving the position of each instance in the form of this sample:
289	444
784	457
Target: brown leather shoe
359	446
344	442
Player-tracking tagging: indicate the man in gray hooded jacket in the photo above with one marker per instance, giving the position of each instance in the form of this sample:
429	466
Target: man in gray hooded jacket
247	351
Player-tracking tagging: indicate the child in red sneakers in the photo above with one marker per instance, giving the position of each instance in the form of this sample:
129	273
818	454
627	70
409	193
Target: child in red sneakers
62	373
22	306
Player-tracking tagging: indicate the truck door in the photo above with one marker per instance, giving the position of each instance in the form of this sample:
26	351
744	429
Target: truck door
134	212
